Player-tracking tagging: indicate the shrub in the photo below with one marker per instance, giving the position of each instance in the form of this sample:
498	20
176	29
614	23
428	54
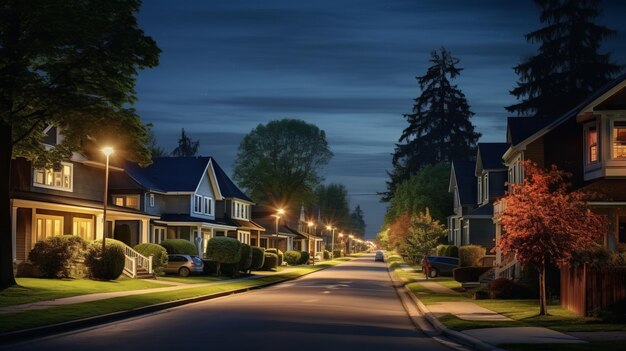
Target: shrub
468	274
470	255
278	253
258	258
441	250
337	253
179	246
270	262
304	257
292	257
503	288
107	265
451	251
246	257
597	256
158	253
223	249
326	255
480	293
54	255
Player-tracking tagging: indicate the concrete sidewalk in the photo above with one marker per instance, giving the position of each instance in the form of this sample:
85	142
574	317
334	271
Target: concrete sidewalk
172	286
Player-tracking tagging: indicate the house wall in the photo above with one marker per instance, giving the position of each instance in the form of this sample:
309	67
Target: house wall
564	148
496	184
171	204
483	233
23	239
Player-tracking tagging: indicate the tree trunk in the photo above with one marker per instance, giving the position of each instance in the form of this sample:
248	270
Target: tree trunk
543	308
218	269
6	239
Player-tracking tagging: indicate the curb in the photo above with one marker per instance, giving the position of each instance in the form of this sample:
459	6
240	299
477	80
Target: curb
459	337
38	332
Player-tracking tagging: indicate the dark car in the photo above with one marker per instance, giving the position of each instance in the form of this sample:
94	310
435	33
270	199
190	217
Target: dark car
379	256
183	265
440	265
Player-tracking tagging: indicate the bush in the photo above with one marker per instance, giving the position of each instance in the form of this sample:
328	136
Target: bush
107	265
246	258
223	249
470	255
179	246
278	253
54	255
597	256
503	288
441	250
468	274
480	293
326	255
451	251
158	253
292	257
270	262
337	253
258	258
304	257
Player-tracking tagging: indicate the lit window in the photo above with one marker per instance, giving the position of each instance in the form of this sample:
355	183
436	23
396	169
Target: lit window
592	145
49	178
619	139
132	201
83	227
118	201
48	226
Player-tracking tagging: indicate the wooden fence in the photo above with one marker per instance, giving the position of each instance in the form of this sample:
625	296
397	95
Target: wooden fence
585	289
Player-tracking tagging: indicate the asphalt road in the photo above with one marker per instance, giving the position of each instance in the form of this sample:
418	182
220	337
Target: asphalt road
352	306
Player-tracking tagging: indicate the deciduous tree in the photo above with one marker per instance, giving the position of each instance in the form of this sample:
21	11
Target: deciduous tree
71	64
543	223
279	163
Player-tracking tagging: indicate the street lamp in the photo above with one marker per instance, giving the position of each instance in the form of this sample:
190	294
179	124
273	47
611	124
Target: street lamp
107	151
351	242
332	245
341	245
279	212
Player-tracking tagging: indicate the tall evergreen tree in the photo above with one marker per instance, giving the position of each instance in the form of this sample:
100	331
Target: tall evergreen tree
439	128
333	202
567	66
186	147
357	222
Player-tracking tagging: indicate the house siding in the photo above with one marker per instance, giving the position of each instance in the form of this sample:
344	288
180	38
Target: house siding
496	184
174	204
483	233
564	148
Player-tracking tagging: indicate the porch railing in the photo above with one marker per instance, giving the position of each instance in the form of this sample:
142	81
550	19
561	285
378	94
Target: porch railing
134	261
499	207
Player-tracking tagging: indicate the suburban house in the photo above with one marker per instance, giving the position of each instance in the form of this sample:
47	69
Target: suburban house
69	201
475	186
277	232
589	142
191	198
309	240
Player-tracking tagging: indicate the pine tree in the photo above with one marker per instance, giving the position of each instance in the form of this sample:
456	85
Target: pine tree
186	147
567	66
439	128
357	222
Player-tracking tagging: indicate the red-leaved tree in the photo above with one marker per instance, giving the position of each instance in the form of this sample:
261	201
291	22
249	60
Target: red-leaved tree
544	223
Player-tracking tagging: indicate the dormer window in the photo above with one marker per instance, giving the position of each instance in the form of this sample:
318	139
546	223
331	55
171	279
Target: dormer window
208	206
486	188
480	189
592	144
619	139
52	179
197	203
240	210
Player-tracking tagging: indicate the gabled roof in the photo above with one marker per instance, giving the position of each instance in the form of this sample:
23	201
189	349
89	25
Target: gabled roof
226	186
170	174
519	129
480	212
463	174
490	155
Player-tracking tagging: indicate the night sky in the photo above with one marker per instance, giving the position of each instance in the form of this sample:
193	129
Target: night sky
348	67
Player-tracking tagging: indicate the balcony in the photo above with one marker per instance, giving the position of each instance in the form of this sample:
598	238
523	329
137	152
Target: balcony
499	207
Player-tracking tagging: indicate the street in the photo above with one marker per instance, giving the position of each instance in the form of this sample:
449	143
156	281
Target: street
352	306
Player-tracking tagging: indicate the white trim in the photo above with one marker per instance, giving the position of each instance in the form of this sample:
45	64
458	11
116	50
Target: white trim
214	182
151	199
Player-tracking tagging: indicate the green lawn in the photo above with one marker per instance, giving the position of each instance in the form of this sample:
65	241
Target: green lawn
36	289
192	279
59	314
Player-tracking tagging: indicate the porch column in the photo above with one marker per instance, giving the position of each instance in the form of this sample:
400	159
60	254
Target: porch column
14	232
145	231
99	227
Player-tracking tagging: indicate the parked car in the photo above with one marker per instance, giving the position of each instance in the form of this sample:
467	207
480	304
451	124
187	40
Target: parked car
379	256
440	265
183	265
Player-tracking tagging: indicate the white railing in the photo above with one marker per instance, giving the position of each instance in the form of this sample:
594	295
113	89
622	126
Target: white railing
135	260
499	207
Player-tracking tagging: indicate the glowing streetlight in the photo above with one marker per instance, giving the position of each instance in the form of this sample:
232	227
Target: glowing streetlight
279	212
332	245
107	151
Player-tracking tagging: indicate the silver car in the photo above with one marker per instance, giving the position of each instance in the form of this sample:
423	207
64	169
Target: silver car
183	265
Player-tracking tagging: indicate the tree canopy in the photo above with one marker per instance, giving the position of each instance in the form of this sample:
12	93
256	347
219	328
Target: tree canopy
332	200
543	223
186	147
414	236
568	65
357	222
71	64
439	128
279	163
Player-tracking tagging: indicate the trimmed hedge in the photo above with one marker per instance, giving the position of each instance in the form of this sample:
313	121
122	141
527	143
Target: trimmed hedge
246	257
270	262
304	257
337	253
468	274
54	255
107	265
326	255
292	257
179	246
258	258
451	251
278	253
441	250
223	249
470	255
158	253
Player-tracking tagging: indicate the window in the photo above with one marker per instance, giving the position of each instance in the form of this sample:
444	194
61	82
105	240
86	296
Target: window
151	200
208	205
197	204
592	144
240	210
48	226
480	189
131	201
59	180
83	227
159	235
619	139
622	230
486	188
244	237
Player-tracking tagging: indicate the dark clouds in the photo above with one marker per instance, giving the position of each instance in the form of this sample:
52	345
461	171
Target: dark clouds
347	66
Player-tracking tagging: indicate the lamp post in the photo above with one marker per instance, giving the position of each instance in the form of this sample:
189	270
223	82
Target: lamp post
279	212
332	245
341	245
351	242
107	151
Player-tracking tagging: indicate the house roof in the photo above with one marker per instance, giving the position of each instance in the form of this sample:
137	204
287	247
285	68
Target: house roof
170	174
520	128
490	155
227	186
185	218
465	178
482	211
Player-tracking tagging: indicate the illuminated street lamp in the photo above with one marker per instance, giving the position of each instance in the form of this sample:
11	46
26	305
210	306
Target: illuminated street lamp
279	212
351	242
332	245
107	151
341	237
